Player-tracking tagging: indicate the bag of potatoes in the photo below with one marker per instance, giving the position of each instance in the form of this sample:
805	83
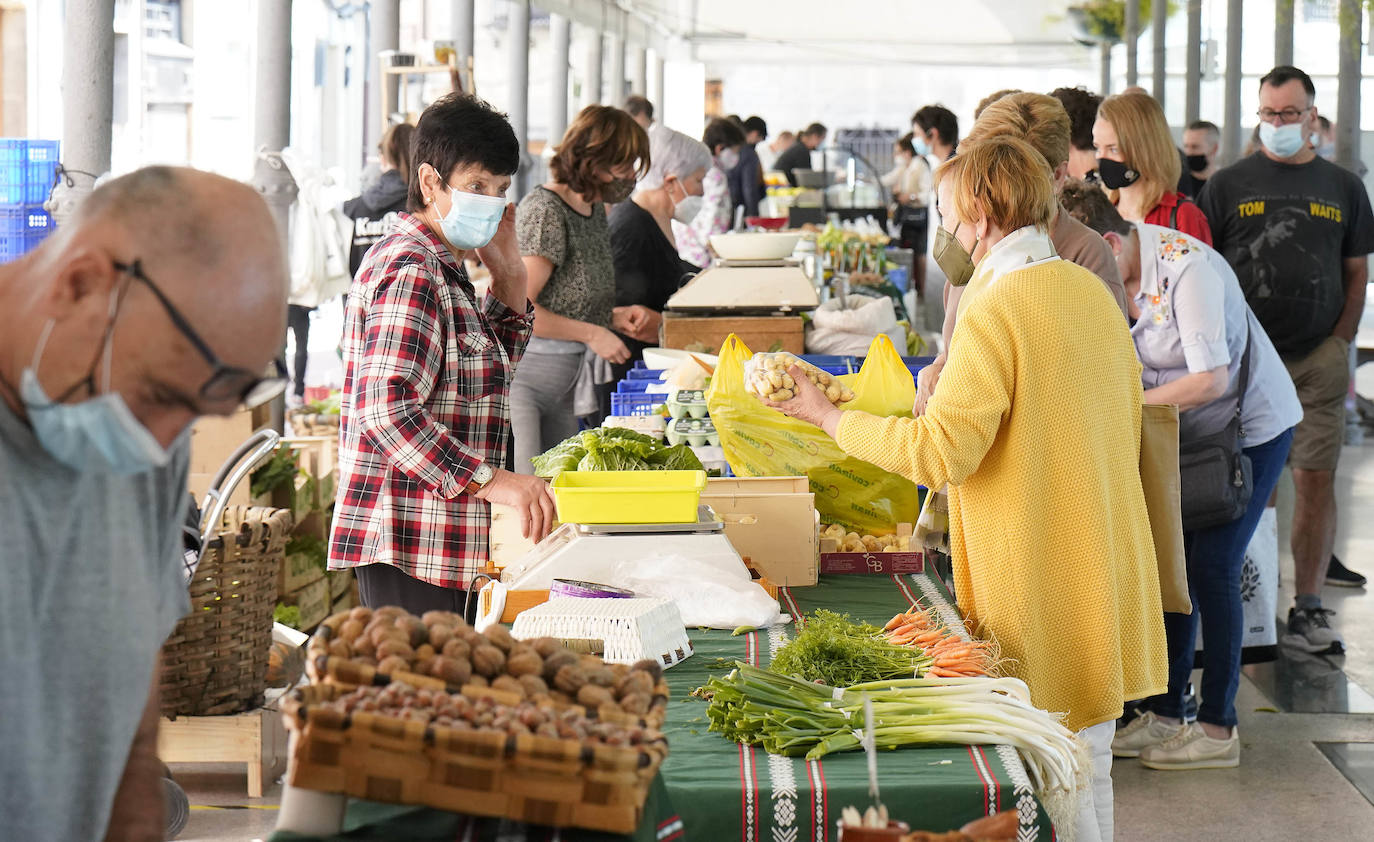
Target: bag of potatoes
767	376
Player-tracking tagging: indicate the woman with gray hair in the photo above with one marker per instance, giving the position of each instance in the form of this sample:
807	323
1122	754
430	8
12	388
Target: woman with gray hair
647	267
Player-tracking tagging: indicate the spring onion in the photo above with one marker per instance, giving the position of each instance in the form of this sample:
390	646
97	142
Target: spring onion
791	716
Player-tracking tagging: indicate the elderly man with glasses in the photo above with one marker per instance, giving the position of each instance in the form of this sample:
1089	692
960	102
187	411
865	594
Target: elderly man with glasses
102	371
1298	230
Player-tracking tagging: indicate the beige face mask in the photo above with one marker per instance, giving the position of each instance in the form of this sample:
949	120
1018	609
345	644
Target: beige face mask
951	256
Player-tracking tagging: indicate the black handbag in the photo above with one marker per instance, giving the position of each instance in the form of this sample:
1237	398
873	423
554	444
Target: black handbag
1215	476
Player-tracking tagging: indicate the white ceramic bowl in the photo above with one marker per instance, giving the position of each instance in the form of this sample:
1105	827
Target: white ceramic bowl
755	245
660	359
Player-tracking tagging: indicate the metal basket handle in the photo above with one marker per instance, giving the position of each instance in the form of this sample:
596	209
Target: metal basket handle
258	448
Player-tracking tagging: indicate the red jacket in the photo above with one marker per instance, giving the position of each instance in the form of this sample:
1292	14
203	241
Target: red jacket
1189	217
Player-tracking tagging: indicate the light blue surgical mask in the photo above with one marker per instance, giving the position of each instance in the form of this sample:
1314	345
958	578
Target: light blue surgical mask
98	435
1283	141
919	144
472	219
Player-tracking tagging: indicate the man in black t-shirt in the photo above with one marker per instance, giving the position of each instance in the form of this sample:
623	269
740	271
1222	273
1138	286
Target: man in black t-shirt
1297	230
798	155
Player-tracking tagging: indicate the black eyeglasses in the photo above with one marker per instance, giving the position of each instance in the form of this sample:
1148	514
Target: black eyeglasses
226	382
1287	115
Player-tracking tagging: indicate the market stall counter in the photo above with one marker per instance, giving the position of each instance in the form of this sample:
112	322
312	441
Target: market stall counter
712	789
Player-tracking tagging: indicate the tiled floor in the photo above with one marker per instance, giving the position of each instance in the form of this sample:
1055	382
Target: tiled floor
1306	774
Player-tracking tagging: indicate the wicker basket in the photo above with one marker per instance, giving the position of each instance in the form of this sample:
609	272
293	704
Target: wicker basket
483	773
305	423
216	660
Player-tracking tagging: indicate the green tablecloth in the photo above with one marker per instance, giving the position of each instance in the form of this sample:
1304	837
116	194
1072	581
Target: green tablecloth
713	790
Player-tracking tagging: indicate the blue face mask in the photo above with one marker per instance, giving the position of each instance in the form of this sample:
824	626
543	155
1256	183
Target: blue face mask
919	144
472	220
98	435
1283	141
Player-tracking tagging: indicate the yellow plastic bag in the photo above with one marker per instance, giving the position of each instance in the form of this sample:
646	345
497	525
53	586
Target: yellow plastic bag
762	442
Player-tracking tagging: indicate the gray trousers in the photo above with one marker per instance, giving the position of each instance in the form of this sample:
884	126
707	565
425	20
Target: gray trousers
541	404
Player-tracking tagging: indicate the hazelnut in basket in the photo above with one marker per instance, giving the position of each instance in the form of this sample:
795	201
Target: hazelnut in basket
766	376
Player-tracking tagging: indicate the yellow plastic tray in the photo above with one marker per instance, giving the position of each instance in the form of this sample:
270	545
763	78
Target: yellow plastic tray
628	496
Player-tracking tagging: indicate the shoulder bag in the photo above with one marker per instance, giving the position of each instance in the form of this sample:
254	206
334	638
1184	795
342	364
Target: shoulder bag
1215	475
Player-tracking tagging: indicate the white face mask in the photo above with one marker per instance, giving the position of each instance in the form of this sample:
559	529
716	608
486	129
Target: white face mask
1283	141
728	159
686	210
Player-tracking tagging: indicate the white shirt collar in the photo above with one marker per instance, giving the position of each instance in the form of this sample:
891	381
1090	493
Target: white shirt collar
1019	249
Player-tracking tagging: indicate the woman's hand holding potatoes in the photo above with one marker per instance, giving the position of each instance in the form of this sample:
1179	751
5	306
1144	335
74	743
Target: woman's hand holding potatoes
809	404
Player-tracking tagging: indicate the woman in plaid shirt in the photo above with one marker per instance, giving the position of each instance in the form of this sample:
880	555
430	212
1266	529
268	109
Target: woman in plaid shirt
427	372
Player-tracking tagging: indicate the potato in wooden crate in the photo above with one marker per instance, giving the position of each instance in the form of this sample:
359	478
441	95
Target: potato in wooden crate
767	377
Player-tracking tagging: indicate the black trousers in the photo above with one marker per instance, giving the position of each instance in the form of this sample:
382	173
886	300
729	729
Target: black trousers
382	584
298	320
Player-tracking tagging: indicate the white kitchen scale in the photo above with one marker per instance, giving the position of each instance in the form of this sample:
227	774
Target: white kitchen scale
750	286
590	553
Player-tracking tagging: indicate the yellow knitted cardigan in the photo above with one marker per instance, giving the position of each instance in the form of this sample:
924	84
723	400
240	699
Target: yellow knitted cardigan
1035	424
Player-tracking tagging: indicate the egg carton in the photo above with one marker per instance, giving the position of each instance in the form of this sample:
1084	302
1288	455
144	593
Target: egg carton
630	630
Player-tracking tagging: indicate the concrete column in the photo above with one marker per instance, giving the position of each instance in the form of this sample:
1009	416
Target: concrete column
1192	88
272	114
384	33
656	87
1131	35
1348	92
518	33
639	72
87	102
1283	32
1159	65
561	29
1231	123
591	86
1104	85
464	27
615	94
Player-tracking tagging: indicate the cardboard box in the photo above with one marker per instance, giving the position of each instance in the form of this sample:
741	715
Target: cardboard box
881	563
214	439
760	333
340	582
313	601
772	523
296	571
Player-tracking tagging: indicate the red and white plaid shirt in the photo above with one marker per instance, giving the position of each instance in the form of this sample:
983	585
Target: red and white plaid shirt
426	399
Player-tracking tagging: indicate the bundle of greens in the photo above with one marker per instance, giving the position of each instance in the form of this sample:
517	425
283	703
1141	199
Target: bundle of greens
331	405
793	717
613	449
279	471
835	650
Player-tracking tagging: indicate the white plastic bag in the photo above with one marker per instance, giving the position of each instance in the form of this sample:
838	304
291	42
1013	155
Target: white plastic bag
849	328
1259	583
706	595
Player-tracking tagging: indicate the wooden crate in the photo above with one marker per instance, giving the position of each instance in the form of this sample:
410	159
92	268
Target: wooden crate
531	779
760	333
313	601
295	572
256	738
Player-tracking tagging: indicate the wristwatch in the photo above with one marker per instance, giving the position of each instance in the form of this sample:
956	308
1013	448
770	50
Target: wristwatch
481	477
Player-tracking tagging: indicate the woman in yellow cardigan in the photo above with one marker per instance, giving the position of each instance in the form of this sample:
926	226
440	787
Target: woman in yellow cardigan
1035	424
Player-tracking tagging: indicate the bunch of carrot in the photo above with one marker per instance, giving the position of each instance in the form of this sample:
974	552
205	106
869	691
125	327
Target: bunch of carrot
953	657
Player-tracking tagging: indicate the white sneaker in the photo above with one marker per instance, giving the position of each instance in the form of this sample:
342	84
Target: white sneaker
1191	748
1145	730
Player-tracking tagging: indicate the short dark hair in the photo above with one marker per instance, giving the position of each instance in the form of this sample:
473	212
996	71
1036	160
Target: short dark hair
1204	126
395	147
1081	104
941	119
722	132
637	105
756	124
1323	122
814	129
1285	73
1090	205
459	130
904	143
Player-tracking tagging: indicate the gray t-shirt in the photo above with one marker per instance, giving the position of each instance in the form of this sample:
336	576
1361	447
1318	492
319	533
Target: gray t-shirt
582	286
93	584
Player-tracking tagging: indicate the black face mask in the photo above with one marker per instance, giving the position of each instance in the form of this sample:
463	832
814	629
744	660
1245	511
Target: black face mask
1197	163
1116	175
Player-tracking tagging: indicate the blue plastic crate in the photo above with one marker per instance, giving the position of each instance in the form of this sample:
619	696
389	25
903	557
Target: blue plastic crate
635	404
648	374
632	387
22	228
27	170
